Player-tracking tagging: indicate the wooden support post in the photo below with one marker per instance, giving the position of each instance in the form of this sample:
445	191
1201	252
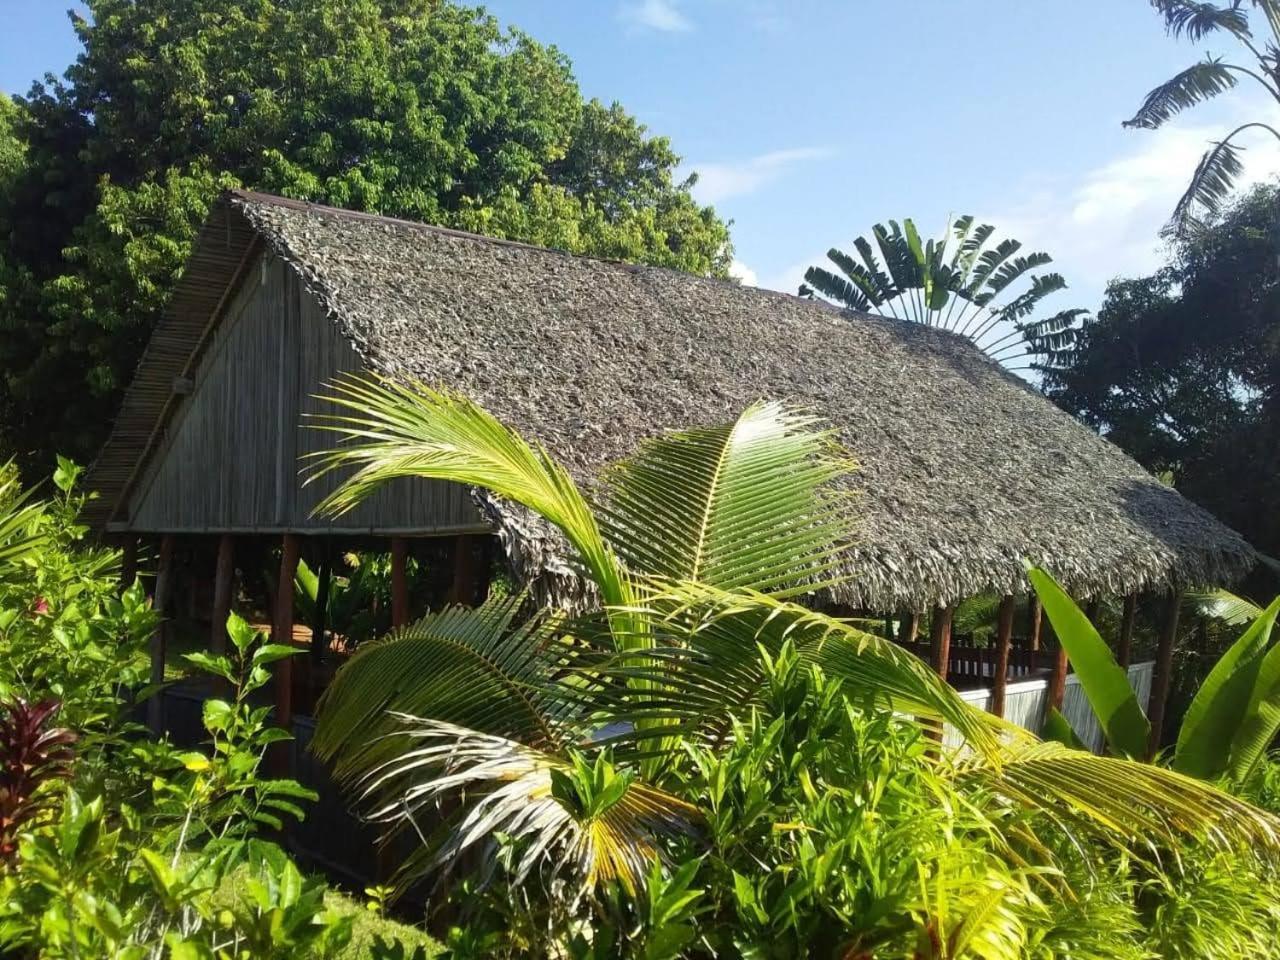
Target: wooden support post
940	638
399	582
160	603
1004	640
1164	671
128	562
1035	618
223	580
908	627
282	632
1125	653
463	590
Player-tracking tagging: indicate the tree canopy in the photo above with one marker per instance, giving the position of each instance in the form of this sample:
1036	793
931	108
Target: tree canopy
1182	368
414	108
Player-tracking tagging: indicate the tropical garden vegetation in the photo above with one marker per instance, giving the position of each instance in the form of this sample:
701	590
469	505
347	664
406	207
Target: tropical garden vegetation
707	767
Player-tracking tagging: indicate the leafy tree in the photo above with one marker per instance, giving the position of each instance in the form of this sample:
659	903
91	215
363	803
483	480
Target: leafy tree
1182	368
414	108
1220	166
905	278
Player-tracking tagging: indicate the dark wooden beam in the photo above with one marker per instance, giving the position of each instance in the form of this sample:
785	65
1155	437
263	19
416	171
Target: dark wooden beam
463	590
282	630
223	581
159	639
1127	621
1004	640
940	638
1163	678
399	582
1035	620
908	627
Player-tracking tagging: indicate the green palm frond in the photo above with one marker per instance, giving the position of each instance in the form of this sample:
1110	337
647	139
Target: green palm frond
510	791
1120	800
1199	82
742	505
478	668
1195	19
20	514
1223	605
713	665
845	292
393	430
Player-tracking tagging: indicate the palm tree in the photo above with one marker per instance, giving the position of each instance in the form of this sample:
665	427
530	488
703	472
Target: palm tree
960	292
571	734
1220	166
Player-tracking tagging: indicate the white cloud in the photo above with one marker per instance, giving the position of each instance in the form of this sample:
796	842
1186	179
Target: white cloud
1106	222
720	181
661	15
743	274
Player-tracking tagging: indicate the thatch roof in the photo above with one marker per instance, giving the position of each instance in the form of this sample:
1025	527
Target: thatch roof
964	469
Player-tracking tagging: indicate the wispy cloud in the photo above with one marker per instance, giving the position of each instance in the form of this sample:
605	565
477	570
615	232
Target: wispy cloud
720	181
743	274
1106	222
662	15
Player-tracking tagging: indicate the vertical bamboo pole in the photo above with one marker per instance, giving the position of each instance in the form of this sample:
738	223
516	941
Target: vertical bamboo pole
1164	670
1004	639
160	602
1125	653
463	590
223	577
940	638
282	630
399	582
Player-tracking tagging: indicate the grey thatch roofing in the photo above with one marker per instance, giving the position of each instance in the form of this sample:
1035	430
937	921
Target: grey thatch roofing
964	468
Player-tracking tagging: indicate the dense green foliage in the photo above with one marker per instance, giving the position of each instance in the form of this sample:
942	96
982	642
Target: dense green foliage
413	108
1256	34
977	291
1182	368
706	767
113	845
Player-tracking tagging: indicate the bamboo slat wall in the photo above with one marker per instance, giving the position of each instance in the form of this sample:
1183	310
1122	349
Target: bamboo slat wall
230	459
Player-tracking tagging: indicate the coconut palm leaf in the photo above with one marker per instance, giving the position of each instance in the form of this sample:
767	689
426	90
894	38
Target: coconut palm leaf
1119	800
1223	605
396	430
742	505
20	514
510	791
1197	83
713	665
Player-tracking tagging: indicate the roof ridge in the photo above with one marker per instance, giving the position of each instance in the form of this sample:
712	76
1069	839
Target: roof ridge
310	206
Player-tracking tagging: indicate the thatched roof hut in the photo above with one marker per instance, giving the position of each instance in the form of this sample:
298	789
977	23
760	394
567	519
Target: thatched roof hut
965	470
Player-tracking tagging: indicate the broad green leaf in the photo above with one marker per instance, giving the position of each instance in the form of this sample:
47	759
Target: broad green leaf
1058	729
271	652
1223	701
242	635
1261	721
1105	684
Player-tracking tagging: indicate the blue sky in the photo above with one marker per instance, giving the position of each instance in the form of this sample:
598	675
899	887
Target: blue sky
810	120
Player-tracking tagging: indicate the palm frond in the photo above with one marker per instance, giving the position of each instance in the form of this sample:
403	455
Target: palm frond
713	665
1212	182
392	430
508	790
1196	84
838	289
20	514
476	668
1195	20
743	505
1223	605
1120	800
